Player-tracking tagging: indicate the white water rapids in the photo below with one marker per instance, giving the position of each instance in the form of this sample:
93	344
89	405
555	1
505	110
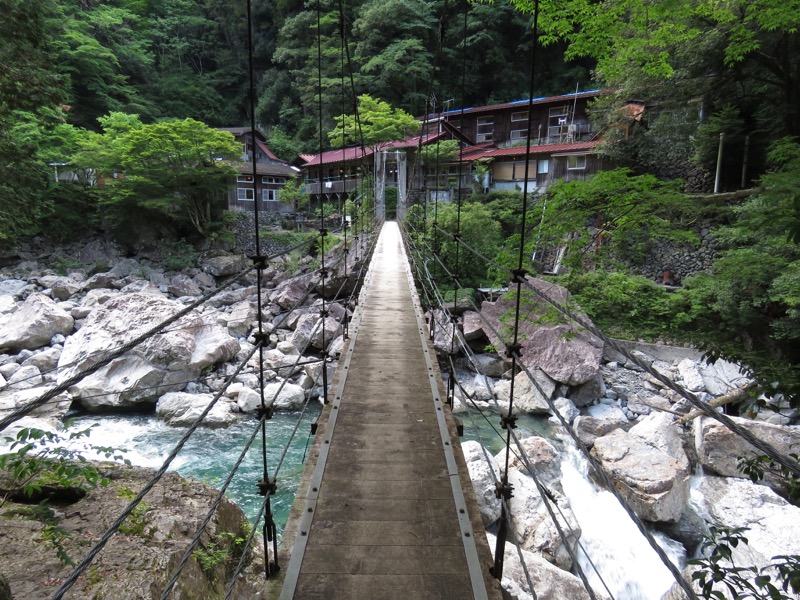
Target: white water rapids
629	566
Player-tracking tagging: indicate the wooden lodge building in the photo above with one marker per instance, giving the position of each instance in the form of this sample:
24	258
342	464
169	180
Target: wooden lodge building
563	146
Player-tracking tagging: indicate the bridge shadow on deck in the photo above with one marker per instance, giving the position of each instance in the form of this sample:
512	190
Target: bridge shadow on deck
386	510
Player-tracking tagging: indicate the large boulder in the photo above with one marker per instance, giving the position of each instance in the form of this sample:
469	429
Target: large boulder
719	448
162	363
564	351
309	332
773	525
182	410
472	326
183	285
589	428
653	482
443	331
533	525
532	522
138	563
53	410
342	274
290	293
481	473
224	266
288	397
34	324
527	397
62	288
549	582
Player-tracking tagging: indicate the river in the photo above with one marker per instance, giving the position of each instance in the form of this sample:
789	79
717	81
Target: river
625	562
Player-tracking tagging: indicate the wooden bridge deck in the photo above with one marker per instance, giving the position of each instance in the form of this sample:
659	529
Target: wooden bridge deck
386	510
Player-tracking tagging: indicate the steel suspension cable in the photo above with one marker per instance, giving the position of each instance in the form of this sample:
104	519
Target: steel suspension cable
264	415
542	490
607	482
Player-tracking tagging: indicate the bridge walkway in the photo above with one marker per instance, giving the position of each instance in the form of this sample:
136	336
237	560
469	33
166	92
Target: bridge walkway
386	511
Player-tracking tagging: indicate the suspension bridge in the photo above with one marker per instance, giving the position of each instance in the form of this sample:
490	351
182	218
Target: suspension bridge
387	510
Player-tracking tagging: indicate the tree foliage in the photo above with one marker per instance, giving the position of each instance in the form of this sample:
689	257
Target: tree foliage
179	169
613	214
376	122
747	308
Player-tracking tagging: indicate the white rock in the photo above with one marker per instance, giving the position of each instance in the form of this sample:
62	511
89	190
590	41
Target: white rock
34	324
549	582
566	409
480	472
249	400
163	363
527	397
690	374
7	304
290	397
722	377
25	378
773	525
534	527
181	409
45	360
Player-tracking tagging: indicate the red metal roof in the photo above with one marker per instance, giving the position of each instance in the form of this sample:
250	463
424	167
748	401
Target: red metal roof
335	156
355	153
543	149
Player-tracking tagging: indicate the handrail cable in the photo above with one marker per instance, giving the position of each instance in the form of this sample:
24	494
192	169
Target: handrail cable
524	458
240	565
265	489
608	484
146	489
263	417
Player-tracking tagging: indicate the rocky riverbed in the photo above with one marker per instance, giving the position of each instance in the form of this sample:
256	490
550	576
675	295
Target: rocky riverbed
679	478
55	323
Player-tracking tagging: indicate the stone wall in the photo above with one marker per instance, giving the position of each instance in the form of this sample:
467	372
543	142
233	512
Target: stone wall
670	262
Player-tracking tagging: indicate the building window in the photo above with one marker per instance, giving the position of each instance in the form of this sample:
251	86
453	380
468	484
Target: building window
518	134
544	166
245	194
576	161
269	195
244	179
519	116
485	129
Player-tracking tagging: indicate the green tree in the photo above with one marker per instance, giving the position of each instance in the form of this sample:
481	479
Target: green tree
688	59
614	214
178	169
478	230
747	309
377	122
392	50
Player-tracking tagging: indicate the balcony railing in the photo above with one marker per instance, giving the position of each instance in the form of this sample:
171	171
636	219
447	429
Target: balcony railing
329	186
